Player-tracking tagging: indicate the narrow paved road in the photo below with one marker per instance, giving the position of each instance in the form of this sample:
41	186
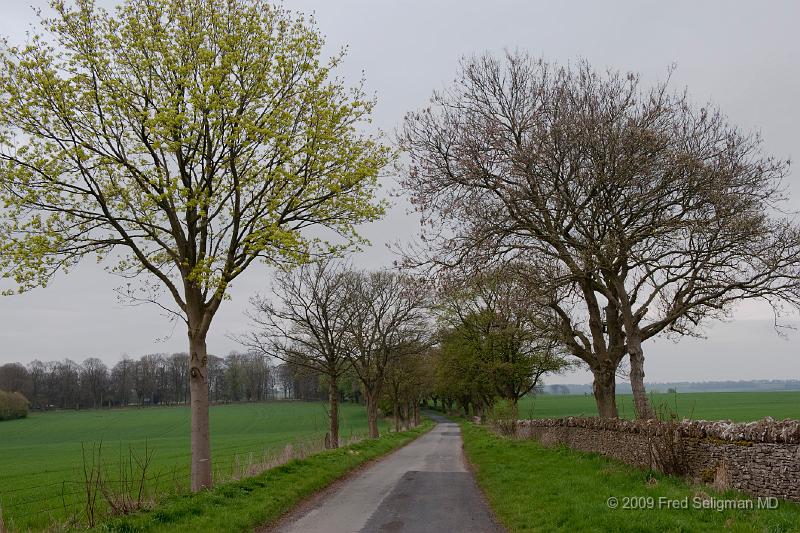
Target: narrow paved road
423	487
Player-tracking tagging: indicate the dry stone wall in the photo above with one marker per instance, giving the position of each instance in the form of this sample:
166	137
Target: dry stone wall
761	458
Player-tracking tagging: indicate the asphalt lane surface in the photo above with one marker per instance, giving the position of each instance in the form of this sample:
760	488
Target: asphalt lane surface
422	487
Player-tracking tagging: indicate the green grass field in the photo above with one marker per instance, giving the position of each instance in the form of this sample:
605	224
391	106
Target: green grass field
41	458
737	406
533	488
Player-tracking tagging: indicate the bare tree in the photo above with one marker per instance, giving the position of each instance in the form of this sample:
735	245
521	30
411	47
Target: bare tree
387	319
286	380
122	380
94	380
14	377
38	374
178	368
234	376
637	212
216	379
258	376
409	378
64	384
146	379
306	324
396	383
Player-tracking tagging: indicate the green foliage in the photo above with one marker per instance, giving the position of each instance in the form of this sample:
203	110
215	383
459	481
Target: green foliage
533	488
185	139
461	371
39	454
503	416
504	410
189	137
409	379
252	502
12	405
490	355
495	339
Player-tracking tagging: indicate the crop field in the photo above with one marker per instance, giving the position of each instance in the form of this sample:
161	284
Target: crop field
736	406
42	465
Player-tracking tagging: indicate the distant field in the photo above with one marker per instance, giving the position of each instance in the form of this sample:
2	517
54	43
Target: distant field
737	406
40	457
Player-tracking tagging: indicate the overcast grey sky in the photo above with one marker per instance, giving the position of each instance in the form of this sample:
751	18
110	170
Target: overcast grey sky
743	56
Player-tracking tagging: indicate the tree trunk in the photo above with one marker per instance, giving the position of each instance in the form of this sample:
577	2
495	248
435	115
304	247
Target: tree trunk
371	398
198	390
604	388
416	414
642	405
396	415
405	415
465	406
515	408
333	398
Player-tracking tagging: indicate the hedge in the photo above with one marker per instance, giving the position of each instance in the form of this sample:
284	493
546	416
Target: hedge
12	405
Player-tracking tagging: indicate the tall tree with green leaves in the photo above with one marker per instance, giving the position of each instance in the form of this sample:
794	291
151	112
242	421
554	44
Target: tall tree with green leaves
181	141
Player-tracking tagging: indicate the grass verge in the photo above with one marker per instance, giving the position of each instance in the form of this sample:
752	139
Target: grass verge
261	499
533	488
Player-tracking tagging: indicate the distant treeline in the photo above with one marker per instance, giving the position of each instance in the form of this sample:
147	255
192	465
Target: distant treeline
155	379
688	386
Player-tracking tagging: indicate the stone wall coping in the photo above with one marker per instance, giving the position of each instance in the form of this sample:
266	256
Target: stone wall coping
766	430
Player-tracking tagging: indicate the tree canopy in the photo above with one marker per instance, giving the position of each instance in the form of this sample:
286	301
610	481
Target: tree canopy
183	140
497	337
636	211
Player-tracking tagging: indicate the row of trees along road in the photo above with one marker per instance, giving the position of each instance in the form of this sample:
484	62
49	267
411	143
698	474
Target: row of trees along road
182	142
333	320
405	341
154	379
629	212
